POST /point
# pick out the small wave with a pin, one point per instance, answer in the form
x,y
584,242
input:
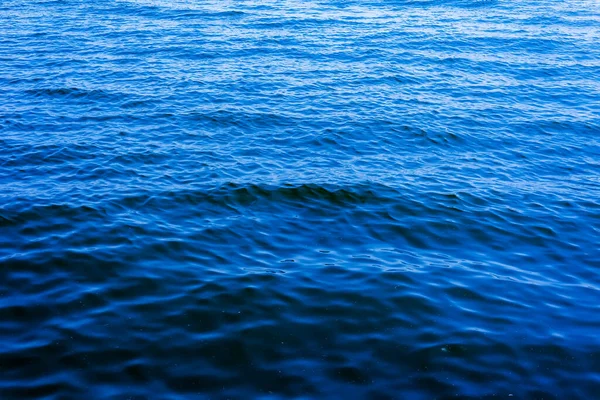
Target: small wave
x,y
447,3
72,93
238,195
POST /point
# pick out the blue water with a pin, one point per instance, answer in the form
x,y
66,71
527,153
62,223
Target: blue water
x,y
300,199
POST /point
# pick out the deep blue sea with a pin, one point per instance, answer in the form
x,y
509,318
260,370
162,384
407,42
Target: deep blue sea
x,y
361,199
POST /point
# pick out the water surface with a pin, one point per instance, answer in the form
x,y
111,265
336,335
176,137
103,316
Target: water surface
x,y
300,199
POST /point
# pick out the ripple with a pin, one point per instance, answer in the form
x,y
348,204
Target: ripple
x,y
299,199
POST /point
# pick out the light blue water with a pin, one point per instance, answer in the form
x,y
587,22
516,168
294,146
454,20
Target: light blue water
x,y
300,199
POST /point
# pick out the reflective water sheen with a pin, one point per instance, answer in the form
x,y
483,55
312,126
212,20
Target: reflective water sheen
x,y
300,199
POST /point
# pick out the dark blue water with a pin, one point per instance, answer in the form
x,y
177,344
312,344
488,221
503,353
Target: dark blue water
x,y
300,199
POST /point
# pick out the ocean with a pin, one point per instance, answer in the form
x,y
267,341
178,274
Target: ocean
x,y
299,199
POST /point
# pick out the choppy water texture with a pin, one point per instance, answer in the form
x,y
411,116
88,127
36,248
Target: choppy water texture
x,y
315,199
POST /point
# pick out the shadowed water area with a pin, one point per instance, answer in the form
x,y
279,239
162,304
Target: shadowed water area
x,y
300,199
